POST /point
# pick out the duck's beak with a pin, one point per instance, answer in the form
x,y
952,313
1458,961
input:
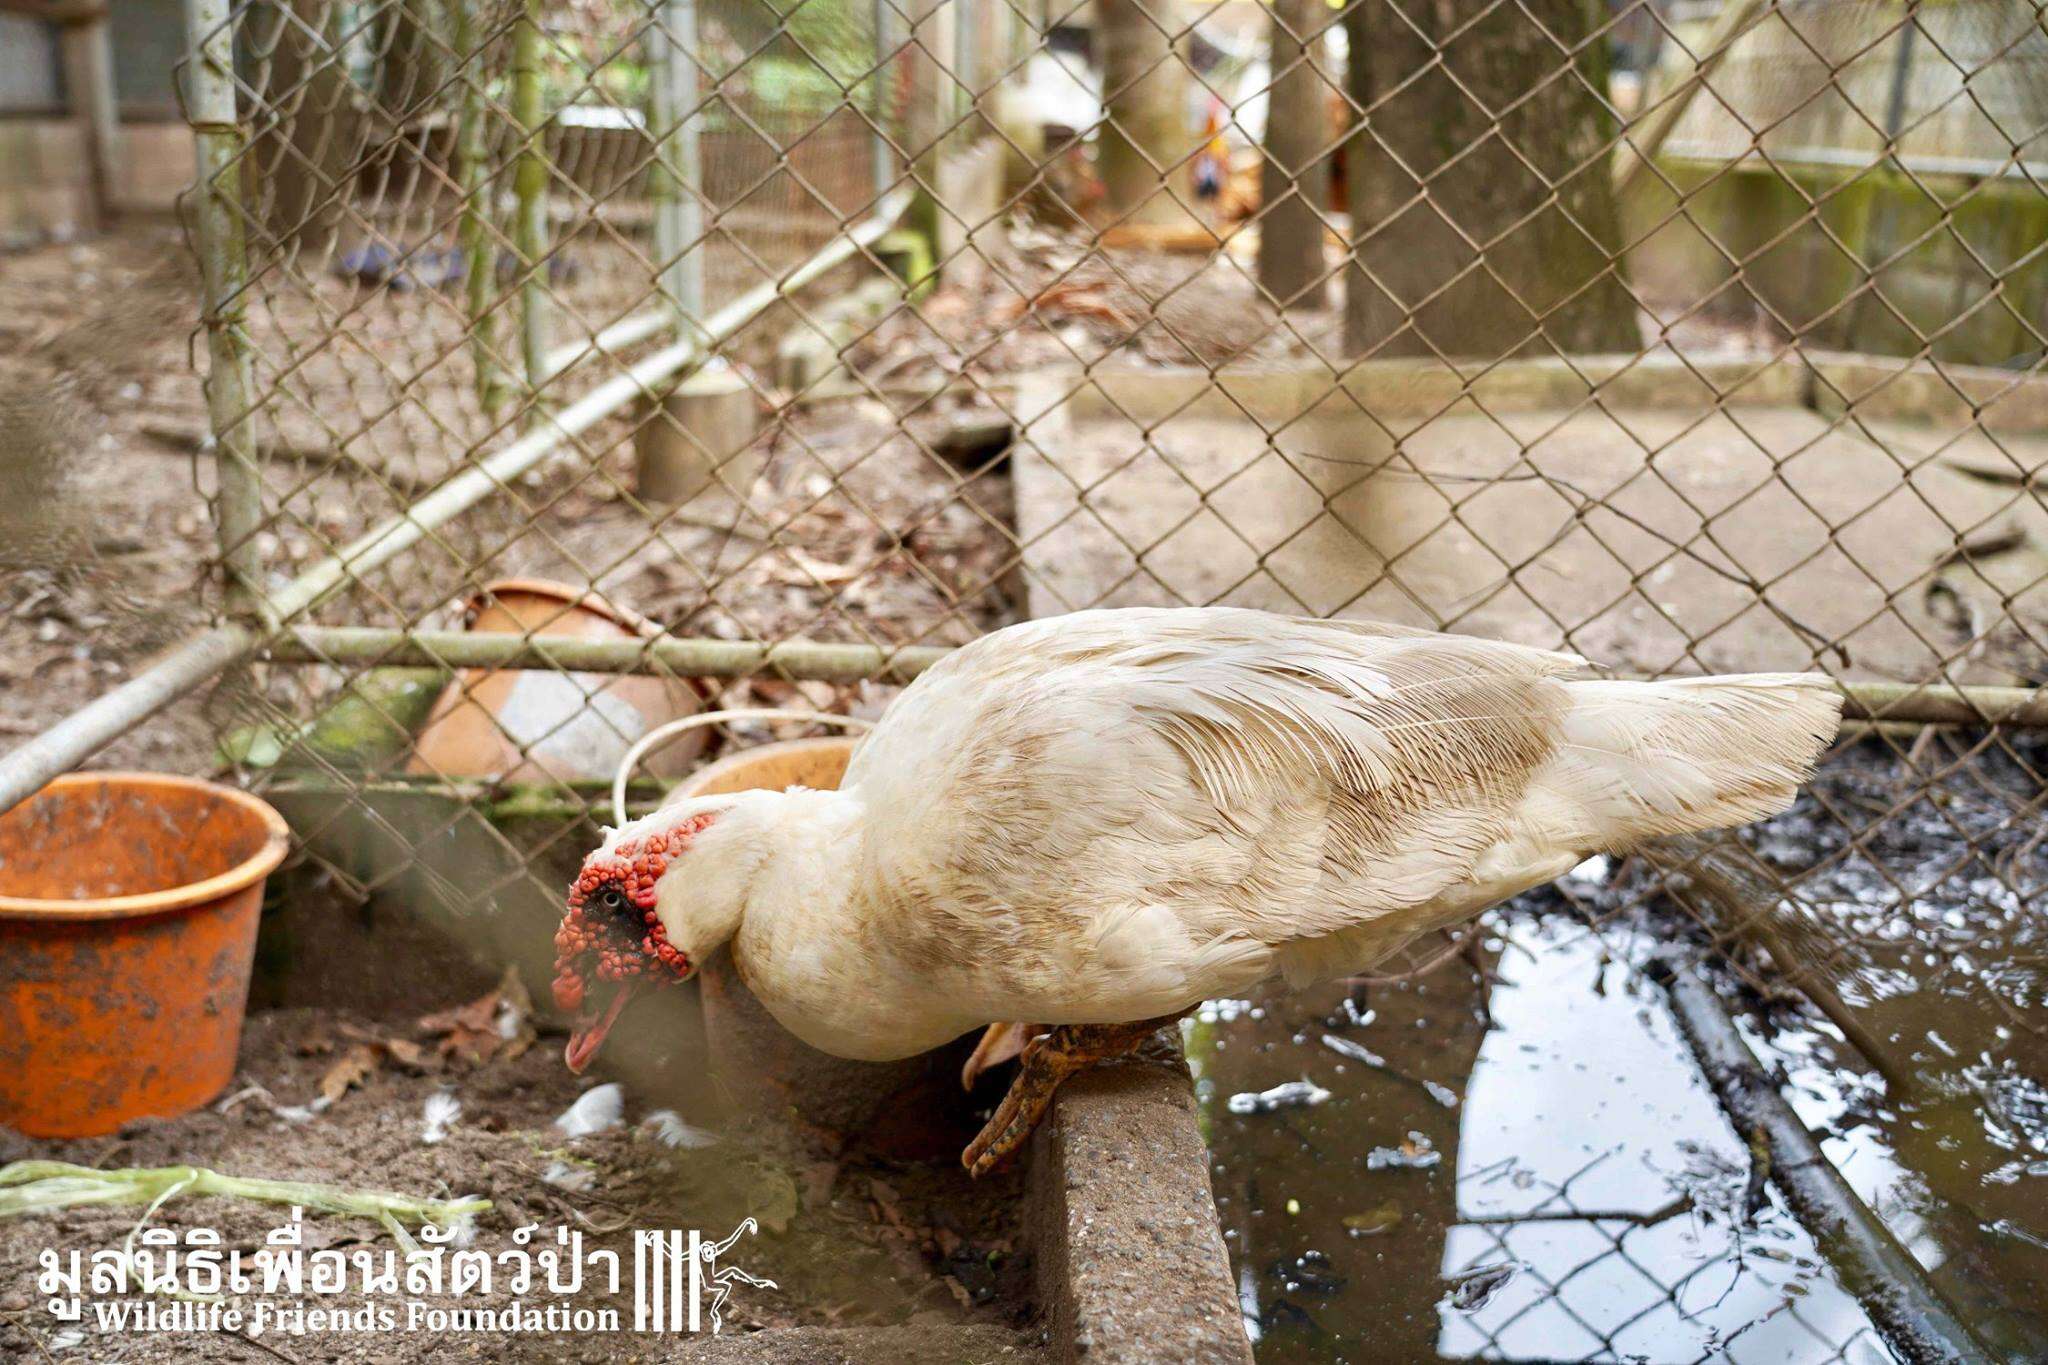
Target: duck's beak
x,y
594,1024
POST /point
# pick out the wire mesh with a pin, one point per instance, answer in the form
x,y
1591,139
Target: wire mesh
x,y
1341,311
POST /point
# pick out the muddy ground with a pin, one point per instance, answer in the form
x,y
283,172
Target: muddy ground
x,y
852,1240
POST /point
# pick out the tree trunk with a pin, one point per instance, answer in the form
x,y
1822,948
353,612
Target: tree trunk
x,y
307,153
1294,182
1145,136
1434,181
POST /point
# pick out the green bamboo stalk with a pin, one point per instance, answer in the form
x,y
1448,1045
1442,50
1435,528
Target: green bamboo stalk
x,y
222,243
530,187
474,234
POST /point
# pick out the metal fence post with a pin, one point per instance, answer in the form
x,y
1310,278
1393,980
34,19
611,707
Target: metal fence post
x,y
221,239
678,211
530,227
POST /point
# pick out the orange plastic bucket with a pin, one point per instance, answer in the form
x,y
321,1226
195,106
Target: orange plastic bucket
x,y
128,909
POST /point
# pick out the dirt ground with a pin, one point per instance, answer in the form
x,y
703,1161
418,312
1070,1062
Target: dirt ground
x,y
855,529
856,1240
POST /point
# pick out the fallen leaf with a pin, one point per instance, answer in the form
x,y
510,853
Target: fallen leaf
x,y
408,1054
357,1065
475,1016
498,1023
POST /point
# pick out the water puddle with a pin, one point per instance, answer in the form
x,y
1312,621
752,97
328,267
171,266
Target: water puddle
x,y
1535,1171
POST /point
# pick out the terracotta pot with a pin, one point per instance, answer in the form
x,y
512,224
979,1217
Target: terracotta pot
x,y
537,725
814,763
128,909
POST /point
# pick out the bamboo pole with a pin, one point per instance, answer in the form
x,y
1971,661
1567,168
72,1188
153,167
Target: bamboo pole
x,y
1638,148
1748,911
530,189
474,232
220,236
678,174
1895,702
694,658
1881,1273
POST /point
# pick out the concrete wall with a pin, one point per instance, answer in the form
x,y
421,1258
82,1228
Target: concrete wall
x,y
154,163
46,176
45,181
1802,243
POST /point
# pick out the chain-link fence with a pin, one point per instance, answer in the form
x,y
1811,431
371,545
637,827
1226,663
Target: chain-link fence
x,y
572,366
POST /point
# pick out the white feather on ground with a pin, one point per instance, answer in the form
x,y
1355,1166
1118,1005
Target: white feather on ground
x,y
597,1110
439,1115
672,1130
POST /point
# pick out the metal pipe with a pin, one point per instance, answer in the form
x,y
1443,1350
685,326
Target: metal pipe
x,y
71,741
1905,1307
219,234
1896,702
694,658
622,335
530,187
678,212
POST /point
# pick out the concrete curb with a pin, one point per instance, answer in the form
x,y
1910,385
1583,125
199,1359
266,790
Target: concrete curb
x,y
1130,1262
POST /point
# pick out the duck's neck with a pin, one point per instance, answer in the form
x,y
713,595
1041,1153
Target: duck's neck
x,y
807,844
804,945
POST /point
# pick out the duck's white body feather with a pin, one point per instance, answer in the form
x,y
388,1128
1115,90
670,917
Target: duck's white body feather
x,y
1112,815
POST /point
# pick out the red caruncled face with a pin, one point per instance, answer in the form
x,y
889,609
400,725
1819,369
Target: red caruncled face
x,y
611,935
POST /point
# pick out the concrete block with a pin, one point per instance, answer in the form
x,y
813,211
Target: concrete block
x,y
702,436
1130,1262
59,152
154,164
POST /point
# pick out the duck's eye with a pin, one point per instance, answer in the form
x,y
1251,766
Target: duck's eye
x,y
611,899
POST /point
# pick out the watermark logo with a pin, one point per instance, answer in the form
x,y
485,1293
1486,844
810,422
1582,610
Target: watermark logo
x,y
171,1280
674,1273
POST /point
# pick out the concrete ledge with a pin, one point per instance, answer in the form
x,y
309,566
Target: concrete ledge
x,y
940,1344
1406,394
1130,1263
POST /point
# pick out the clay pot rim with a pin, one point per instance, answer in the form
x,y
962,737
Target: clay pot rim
x,y
576,599
569,595
247,873
719,767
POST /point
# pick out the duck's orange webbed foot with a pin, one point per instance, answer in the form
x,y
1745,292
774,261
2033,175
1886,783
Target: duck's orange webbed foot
x,y
1046,1061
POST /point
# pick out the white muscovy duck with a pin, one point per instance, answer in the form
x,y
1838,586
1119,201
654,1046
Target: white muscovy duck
x,y
1096,821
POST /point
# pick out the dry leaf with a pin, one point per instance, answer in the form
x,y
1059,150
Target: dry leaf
x,y
357,1065
408,1054
499,1023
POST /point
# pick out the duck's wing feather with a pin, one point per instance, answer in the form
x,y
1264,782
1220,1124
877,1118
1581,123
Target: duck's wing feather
x,y
1261,776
